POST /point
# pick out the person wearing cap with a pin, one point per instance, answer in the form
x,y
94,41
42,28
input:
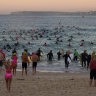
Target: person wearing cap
x,y
2,57
24,59
14,62
93,54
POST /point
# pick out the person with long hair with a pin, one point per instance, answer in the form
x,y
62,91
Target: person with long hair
x,y
8,74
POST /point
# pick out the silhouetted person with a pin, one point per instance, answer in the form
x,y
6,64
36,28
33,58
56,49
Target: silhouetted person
x,y
50,55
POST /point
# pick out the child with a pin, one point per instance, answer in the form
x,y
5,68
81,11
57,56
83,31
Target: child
x,y
8,74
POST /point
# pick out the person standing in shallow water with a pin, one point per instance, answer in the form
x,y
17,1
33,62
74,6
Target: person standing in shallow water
x,y
84,57
59,54
75,55
39,53
93,71
66,56
88,60
50,55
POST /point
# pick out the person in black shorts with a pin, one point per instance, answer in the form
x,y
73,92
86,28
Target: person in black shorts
x,y
34,64
24,62
34,59
24,65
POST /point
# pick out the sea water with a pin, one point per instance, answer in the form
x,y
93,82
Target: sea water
x,y
78,27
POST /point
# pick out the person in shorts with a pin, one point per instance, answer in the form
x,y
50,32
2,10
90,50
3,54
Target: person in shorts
x,y
93,71
34,59
24,62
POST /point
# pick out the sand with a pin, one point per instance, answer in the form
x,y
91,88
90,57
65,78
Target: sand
x,y
49,84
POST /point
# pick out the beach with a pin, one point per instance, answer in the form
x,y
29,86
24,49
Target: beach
x,y
49,84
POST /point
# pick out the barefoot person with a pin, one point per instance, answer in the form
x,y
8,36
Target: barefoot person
x,y
14,63
24,62
93,71
8,74
2,57
34,59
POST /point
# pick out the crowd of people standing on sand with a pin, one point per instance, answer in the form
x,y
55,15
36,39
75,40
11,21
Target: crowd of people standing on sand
x,y
85,59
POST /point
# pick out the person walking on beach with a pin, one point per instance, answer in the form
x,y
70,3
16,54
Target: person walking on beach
x,y
34,59
66,56
24,62
2,57
93,71
14,63
8,74
50,55
75,55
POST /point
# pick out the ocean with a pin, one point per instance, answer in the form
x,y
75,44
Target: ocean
x,y
31,32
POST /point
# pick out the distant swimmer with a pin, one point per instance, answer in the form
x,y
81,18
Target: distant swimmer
x,y
61,40
78,33
82,41
82,44
69,45
45,44
91,43
69,40
49,38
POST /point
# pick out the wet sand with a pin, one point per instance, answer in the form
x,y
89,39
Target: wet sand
x,y
49,84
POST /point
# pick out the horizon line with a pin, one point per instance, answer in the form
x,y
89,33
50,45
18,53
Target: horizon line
x,y
48,11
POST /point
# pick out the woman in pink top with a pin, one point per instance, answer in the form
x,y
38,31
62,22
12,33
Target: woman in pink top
x,y
14,63
8,74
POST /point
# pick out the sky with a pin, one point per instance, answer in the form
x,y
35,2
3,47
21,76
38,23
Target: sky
x,y
7,6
